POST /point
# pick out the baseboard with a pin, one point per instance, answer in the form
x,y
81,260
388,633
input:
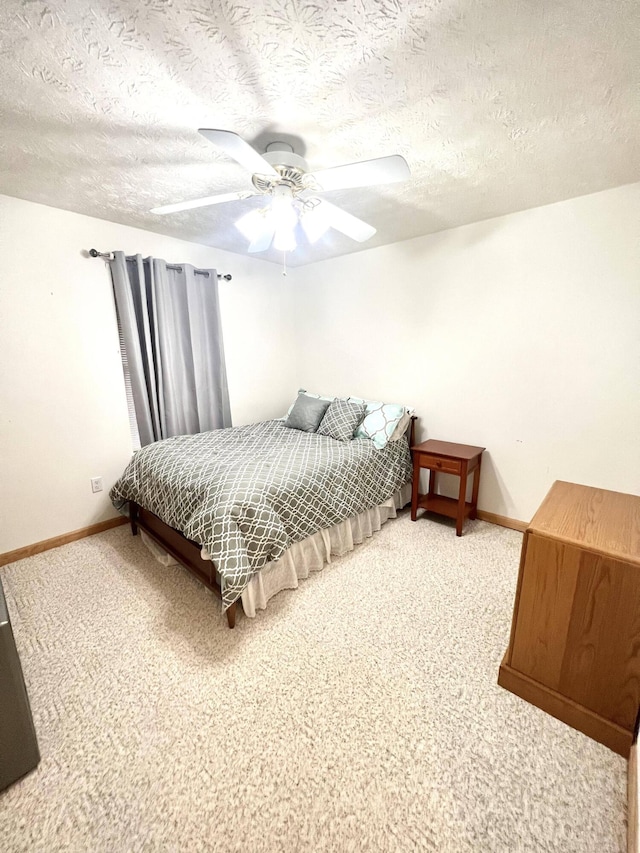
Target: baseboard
x,y
65,538
57,541
562,708
502,520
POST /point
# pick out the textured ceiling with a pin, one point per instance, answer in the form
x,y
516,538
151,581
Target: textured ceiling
x,y
497,106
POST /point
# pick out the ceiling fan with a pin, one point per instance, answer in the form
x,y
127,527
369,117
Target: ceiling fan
x,y
291,193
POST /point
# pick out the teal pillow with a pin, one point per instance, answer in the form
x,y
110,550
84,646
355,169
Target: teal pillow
x,y
380,422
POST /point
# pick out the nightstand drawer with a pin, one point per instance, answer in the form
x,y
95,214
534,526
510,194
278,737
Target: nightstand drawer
x,y
448,466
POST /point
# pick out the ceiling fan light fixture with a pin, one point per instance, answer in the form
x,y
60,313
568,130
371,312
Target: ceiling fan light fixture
x,y
314,224
283,179
283,210
251,224
285,217
284,239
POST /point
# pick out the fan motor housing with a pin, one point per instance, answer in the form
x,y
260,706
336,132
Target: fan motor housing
x,y
290,167
281,157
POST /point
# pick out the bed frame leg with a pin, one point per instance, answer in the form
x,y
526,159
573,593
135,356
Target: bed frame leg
x,y
133,518
231,615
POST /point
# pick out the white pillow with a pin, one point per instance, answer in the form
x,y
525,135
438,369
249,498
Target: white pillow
x,y
403,423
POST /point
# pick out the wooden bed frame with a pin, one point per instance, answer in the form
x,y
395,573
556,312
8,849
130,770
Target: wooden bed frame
x,y
187,552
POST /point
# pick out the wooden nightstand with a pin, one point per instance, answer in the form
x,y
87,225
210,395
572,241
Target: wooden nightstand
x,y
459,459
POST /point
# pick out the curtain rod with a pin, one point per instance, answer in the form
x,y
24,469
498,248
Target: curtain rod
x,y
107,255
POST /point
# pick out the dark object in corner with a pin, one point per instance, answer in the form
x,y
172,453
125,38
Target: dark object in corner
x,y
19,752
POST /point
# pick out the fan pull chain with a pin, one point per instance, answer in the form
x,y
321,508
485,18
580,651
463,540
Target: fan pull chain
x,y
284,263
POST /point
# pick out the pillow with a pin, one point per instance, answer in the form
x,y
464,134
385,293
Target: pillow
x,y
309,394
341,419
381,422
306,414
403,423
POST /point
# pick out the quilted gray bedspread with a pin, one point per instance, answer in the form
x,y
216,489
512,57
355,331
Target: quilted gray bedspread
x,y
247,493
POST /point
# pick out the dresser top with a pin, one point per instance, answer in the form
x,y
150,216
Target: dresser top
x,y
597,519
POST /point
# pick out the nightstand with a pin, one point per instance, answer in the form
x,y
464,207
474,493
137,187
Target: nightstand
x,y
458,459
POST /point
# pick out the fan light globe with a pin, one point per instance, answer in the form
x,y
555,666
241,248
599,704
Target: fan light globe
x,y
284,240
314,224
285,217
282,206
251,224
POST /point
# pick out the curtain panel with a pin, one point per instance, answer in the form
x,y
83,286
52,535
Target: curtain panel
x,y
170,322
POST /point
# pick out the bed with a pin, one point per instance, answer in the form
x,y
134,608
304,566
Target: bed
x,y
228,503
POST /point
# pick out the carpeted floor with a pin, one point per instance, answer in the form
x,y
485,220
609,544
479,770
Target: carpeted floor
x,y
358,713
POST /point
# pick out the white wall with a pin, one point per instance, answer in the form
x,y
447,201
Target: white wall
x,y
520,334
63,415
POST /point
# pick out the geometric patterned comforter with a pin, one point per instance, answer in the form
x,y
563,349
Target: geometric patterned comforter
x,y
247,493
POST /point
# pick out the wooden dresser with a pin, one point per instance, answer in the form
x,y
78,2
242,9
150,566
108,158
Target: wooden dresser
x,y
575,638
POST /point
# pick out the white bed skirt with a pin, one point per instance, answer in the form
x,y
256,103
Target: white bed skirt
x,y
307,556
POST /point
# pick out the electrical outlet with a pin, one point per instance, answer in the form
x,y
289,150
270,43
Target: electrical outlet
x,y
96,484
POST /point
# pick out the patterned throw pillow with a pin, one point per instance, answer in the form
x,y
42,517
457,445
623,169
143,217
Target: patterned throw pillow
x,y
341,419
381,421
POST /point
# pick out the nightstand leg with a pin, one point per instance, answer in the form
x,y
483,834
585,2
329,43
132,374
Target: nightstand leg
x,y
432,483
414,490
476,486
461,499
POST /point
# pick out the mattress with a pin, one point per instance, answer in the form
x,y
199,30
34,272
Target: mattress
x,y
246,494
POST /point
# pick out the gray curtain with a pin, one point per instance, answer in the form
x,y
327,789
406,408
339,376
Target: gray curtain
x,y
170,321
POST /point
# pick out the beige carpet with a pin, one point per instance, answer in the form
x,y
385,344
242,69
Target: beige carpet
x,y
358,713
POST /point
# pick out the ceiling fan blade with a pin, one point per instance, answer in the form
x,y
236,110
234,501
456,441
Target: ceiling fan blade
x,y
345,222
200,202
383,170
239,150
262,242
